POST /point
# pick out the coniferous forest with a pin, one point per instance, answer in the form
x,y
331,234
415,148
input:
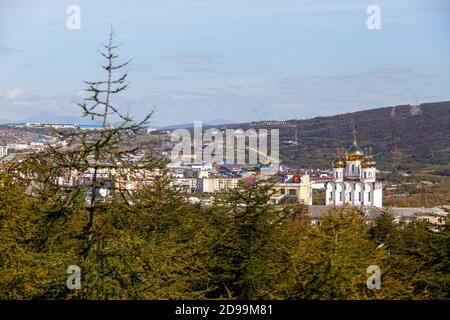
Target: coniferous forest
x,y
240,248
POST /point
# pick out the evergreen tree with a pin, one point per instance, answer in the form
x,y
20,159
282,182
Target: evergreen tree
x,y
385,230
330,261
89,225
243,242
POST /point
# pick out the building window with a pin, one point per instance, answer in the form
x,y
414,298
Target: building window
x,y
368,196
365,175
350,196
282,191
359,196
340,196
292,192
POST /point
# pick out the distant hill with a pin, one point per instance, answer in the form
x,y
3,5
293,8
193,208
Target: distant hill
x,y
204,124
403,137
48,117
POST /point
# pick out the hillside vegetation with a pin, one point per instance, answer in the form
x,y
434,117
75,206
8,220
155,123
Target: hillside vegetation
x,y
402,137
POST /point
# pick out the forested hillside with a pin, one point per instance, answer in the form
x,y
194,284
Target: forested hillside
x,y
402,137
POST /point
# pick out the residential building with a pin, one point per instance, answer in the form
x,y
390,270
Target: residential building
x,y
218,184
3,151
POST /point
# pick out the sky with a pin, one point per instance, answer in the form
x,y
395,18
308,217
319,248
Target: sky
x,y
239,60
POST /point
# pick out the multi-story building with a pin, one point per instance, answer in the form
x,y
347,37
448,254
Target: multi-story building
x,y
189,185
18,146
3,151
217,184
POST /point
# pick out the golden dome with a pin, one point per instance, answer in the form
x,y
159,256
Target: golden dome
x,y
368,162
338,163
355,152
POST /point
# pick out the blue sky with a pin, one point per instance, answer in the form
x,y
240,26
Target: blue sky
x,y
227,59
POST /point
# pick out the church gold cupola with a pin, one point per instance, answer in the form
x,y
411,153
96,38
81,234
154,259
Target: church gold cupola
x,y
354,153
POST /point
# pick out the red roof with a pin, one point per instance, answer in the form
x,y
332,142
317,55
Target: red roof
x,y
321,178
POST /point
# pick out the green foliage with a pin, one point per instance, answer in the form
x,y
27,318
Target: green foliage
x,y
330,261
419,258
384,229
162,247
242,241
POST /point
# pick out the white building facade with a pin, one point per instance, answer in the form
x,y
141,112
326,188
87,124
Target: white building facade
x,y
354,180
3,151
218,184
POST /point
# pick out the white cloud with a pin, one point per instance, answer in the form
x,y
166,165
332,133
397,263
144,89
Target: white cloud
x,y
192,59
14,93
244,99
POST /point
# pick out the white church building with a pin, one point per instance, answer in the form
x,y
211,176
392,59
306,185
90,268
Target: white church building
x,y
354,180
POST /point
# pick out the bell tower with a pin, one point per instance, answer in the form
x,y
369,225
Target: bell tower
x,y
353,157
